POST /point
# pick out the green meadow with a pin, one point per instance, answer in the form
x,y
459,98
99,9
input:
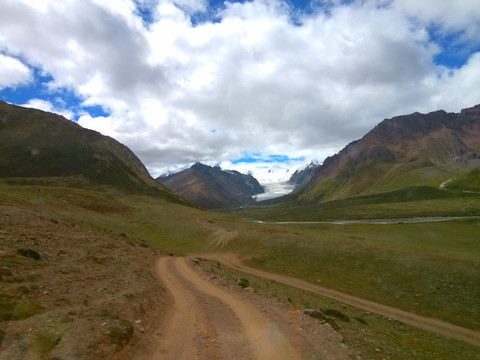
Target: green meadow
x,y
430,268
417,201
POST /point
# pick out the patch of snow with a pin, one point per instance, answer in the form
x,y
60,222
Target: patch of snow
x,y
274,189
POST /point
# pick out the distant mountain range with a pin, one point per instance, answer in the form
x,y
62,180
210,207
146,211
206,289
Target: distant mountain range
x,y
432,149
38,144
211,187
438,149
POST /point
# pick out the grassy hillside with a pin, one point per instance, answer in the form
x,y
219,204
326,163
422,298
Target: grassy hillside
x,y
469,182
38,144
68,289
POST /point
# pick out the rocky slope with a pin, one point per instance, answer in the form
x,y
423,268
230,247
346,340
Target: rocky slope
x,y
68,290
410,150
300,178
38,144
212,188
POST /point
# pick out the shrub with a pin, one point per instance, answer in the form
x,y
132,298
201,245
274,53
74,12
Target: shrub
x,y
244,283
121,335
336,314
48,341
6,307
25,309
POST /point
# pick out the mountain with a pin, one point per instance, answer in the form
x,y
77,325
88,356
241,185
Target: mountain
x,y
212,188
38,144
300,178
410,150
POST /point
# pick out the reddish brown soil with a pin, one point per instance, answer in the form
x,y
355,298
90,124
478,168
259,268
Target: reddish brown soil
x,y
89,295
210,321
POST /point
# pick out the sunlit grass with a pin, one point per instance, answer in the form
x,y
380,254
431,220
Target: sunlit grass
x,y
432,269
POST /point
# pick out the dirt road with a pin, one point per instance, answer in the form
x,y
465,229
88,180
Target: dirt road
x,y
208,321
430,324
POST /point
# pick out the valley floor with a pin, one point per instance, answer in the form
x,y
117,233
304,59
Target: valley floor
x,y
80,278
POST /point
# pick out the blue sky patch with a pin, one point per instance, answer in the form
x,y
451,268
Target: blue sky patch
x,y
214,6
257,158
455,51
61,98
145,12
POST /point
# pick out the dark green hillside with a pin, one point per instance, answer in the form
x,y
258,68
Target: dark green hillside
x,y
38,144
467,182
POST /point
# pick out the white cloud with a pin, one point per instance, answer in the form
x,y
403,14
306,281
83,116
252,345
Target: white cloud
x,y
253,81
192,6
105,125
13,72
449,96
48,106
452,15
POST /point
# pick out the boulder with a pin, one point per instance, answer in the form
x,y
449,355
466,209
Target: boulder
x,y
316,314
322,317
29,253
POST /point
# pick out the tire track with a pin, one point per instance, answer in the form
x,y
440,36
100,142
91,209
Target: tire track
x,y
204,313
179,341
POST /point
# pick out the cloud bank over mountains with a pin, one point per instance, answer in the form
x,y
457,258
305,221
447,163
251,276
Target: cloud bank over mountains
x,y
186,80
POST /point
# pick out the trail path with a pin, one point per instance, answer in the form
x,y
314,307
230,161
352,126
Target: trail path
x,y
430,324
208,321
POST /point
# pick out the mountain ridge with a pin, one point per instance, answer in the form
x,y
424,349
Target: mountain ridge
x,y
427,147
301,177
39,144
211,187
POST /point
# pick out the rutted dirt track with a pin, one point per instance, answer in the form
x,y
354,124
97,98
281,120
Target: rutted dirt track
x,y
430,324
208,321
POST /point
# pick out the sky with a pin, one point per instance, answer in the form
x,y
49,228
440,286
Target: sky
x,y
262,86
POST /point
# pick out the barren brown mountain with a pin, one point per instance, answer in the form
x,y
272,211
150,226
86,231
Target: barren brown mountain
x,y
411,150
211,187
